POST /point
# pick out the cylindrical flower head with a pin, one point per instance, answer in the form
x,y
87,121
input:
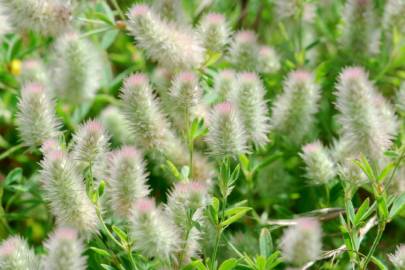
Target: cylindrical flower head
x,y
225,84
90,144
36,119
50,146
214,32
286,8
76,72
293,113
269,61
128,179
153,233
359,32
116,125
5,26
398,258
319,165
65,251
186,91
33,70
15,254
394,15
165,43
185,197
302,242
49,17
252,108
142,110
65,192
226,136
244,51
362,124
386,113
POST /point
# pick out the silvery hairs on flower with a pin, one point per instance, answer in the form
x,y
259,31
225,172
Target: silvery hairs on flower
x,y
293,113
171,45
214,32
244,51
64,251
127,180
65,192
302,242
153,232
36,118
225,84
15,254
75,69
48,17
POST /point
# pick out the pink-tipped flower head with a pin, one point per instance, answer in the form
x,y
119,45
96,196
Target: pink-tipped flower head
x,y
244,51
65,192
152,231
226,136
116,125
90,144
269,61
128,179
186,92
33,70
214,31
16,254
65,250
363,124
36,119
319,166
302,242
171,45
252,108
294,110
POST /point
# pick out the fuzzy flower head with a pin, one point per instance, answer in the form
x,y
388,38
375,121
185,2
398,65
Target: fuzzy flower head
x,y
394,15
117,125
5,26
15,254
36,119
48,17
398,258
142,111
65,192
50,146
33,70
127,180
362,123
65,251
170,45
187,201
75,76
244,50
319,165
170,10
90,143
225,84
302,242
226,136
214,32
152,231
186,91
294,110
359,32
269,61
252,108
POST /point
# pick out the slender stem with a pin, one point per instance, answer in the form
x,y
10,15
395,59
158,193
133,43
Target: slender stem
x,y
377,239
11,151
117,7
214,253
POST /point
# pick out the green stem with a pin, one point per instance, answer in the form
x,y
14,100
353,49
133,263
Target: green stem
x,y
380,230
11,151
214,253
117,7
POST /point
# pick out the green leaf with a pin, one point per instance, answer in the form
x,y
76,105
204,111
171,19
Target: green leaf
x,y
397,205
378,263
185,173
121,234
213,58
101,188
14,176
170,166
107,267
350,212
361,211
386,171
265,243
234,215
100,251
366,168
229,264
195,265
